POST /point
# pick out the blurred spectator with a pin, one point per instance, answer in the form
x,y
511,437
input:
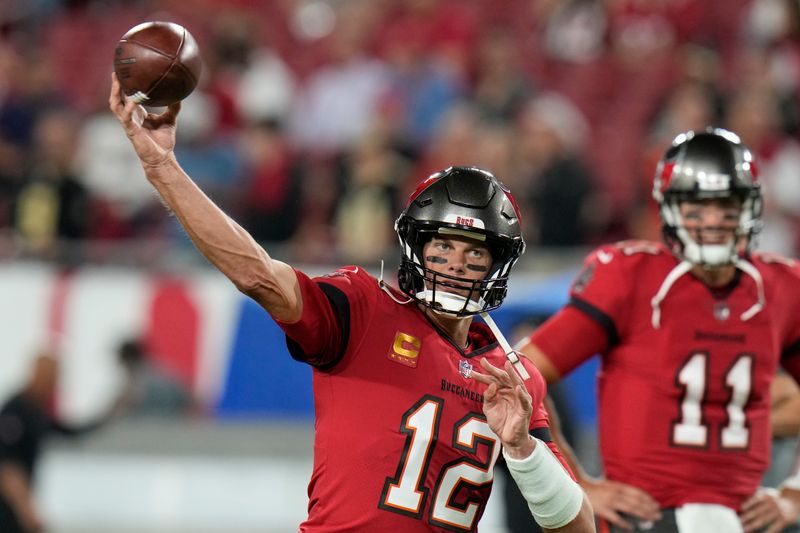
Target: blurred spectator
x,y
453,143
125,207
422,88
772,27
151,391
246,76
26,422
226,57
271,197
564,207
27,12
266,88
690,106
216,161
494,151
31,90
443,29
52,204
372,176
339,101
11,180
635,69
569,48
754,113
500,87
9,70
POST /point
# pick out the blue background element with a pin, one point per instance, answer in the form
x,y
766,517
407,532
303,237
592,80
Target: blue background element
x,y
263,379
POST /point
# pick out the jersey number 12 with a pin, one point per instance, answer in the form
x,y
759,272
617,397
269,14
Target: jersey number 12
x,y
406,492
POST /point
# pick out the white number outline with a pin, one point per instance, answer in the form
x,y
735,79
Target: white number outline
x,y
690,428
422,435
405,493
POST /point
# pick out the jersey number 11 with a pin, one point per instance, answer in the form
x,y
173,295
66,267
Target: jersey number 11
x,y
690,429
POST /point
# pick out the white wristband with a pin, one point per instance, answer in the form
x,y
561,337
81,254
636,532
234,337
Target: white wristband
x,y
553,497
792,482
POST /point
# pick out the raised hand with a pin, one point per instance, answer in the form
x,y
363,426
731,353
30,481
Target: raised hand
x,y
508,407
152,136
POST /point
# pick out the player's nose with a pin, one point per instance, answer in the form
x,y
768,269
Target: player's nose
x,y
458,261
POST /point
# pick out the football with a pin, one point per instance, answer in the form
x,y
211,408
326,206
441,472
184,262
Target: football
x,y
157,63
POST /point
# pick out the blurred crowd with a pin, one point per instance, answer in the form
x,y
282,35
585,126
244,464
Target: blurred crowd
x,y
314,119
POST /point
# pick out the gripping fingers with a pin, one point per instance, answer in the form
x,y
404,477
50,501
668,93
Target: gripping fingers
x,y
167,118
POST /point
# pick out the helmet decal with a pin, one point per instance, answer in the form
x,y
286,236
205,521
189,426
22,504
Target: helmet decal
x,y
460,220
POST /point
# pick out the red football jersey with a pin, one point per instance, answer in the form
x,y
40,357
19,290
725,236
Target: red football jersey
x,y
683,407
401,441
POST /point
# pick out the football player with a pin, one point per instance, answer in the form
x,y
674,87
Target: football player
x,y
691,332
407,429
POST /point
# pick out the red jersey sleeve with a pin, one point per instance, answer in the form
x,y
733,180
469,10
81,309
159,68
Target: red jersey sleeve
x,y
588,324
569,338
601,290
537,388
331,304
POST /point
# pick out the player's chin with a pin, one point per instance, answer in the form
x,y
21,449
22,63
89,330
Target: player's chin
x,y
466,292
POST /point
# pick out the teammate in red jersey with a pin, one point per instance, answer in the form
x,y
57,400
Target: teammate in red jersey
x,y
407,430
691,333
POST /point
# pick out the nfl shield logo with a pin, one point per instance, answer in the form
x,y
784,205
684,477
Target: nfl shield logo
x,y
464,368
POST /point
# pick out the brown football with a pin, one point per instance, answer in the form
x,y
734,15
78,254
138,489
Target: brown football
x,y
157,63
